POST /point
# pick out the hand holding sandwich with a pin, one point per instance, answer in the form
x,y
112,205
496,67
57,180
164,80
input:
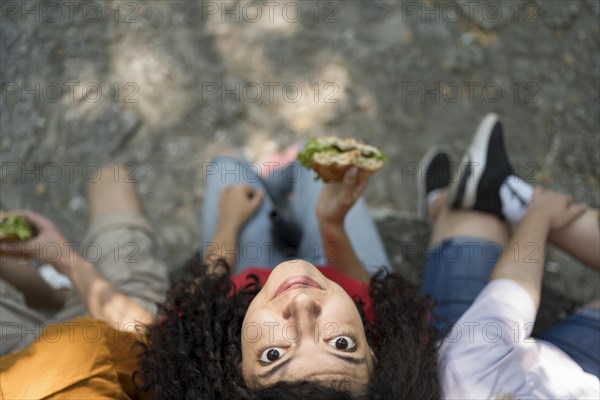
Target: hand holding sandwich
x,y
102,299
48,245
18,235
334,203
337,198
345,164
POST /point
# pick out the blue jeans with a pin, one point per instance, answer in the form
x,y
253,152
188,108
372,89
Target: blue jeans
x,y
457,270
255,244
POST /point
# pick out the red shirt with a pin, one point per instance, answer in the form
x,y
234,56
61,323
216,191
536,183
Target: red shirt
x,y
354,288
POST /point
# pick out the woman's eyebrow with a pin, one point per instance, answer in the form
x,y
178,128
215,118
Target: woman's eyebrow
x,y
272,371
348,359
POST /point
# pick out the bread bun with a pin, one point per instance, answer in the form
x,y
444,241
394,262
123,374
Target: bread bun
x,y
332,166
331,157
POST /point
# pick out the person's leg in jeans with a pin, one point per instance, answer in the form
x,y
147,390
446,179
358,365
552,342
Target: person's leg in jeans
x,y
463,249
255,246
467,239
578,335
359,224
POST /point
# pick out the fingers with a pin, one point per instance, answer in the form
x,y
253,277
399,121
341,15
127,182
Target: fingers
x,y
362,184
565,210
17,249
350,177
568,200
255,198
37,220
242,190
245,194
537,191
11,261
23,248
250,193
573,212
350,184
346,187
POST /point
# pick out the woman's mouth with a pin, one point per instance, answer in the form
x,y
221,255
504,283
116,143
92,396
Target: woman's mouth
x,y
296,282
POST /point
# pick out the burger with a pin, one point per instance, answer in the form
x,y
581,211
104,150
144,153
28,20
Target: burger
x,y
332,156
14,227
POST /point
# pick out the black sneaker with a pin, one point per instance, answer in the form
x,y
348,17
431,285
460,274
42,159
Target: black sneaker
x,y
434,174
484,168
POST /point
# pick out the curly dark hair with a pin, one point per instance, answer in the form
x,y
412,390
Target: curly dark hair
x,y
193,349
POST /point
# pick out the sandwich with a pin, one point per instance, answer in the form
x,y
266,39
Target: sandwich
x,y
14,227
331,157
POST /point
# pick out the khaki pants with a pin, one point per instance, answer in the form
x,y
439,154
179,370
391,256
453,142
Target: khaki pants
x,y
122,246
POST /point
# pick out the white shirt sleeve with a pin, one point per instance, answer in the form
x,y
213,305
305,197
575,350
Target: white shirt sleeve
x,y
489,353
477,356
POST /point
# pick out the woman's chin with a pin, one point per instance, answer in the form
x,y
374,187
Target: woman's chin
x,y
291,268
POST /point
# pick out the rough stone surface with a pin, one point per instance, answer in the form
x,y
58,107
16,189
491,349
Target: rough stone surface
x,y
400,75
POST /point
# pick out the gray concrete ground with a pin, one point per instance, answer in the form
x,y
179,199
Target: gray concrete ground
x,y
160,84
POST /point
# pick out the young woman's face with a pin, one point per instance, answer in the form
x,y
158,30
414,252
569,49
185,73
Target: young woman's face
x,y
303,326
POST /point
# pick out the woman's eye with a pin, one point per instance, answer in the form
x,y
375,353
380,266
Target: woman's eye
x,y
271,355
344,343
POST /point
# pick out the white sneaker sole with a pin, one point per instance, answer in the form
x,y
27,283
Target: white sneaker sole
x,y
476,155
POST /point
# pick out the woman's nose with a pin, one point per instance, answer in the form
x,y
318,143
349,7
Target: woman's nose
x,y
302,305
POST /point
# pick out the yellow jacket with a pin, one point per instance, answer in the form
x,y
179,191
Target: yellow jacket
x,y
79,359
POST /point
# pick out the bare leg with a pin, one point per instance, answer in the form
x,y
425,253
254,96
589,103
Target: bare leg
x,y
114,191
118,227
455,223
581,239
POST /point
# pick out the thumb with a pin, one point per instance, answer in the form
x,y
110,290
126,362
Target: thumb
x,y
576,211
349,182
351,175
256,199
349,185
